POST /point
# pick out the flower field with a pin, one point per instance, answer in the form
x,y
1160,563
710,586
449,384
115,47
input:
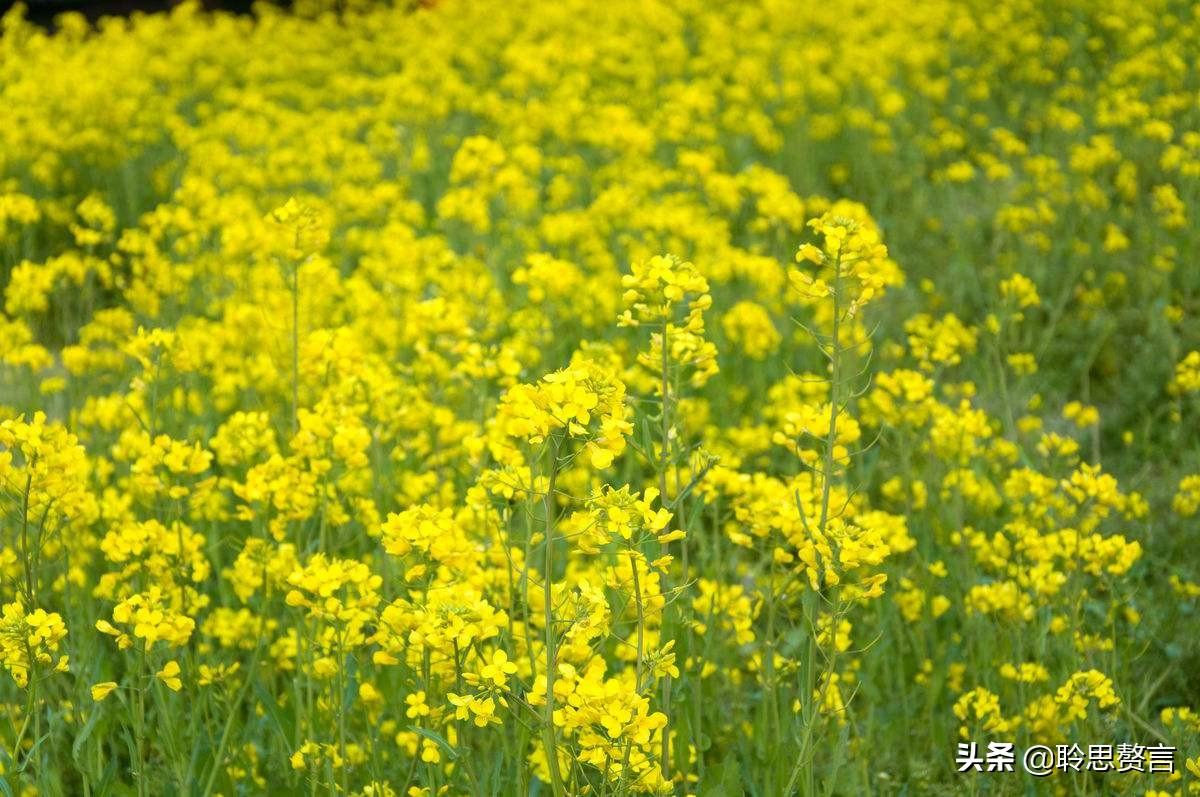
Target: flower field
x,y
640,397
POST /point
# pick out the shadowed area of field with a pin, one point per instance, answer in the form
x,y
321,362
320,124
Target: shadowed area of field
x,y
43,12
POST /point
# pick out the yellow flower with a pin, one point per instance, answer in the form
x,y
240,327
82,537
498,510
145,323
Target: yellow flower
x,y
461,703
369,695
498,670
103,690
211,674
416,705
169,675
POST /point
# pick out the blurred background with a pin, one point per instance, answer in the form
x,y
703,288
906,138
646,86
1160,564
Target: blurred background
x,y
44,11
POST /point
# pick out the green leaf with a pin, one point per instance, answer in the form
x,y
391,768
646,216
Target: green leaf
x,y
33,748
723,779
84,733
268,702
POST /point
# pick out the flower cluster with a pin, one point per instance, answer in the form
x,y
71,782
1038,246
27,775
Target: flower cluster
x,y
30,640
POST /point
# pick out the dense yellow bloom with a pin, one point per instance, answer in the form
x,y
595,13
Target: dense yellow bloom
x,y
1020,290
670,296
1187,375
851,262
1187,499
30,640
980,709
584,403
939,342
151,617
749,327
497,398
43,463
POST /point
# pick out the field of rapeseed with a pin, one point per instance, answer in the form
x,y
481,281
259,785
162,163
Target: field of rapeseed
x,y
638,397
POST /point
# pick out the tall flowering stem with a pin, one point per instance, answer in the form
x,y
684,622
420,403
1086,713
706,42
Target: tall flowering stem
x,y
582,405
848,269
669,296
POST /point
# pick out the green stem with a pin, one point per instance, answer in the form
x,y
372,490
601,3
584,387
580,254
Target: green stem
x,y
233,710
139,724
549,735
665,460
802,771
